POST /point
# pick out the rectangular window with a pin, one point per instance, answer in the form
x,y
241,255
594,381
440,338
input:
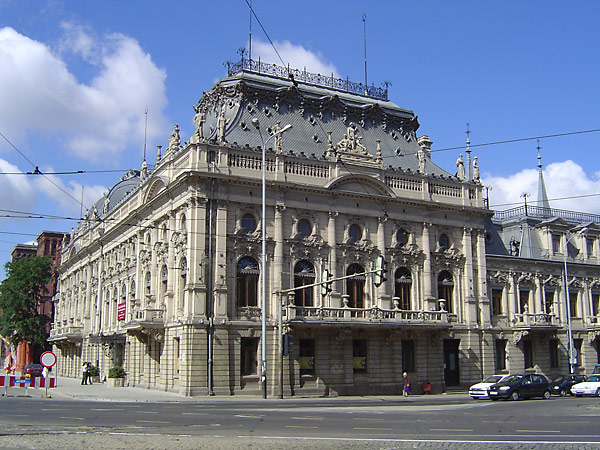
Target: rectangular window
x,y
359,355
556,244
595,304
548,302
497,301
589,244
307,356
577,345
249,357
408,356
524,301
528,354
573,304
500,354
177,356
553,351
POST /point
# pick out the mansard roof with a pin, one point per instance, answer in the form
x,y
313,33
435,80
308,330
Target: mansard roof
x,y
321,118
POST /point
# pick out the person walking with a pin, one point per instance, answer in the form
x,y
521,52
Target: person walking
x,y
84,373
406,391
89,372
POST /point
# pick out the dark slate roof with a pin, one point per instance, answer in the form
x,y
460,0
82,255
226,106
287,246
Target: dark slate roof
x,y
312,111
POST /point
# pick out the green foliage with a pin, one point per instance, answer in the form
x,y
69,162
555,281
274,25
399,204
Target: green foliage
x,y
116,372
93,371
21,295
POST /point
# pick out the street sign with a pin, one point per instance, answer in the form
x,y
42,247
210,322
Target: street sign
x,y
48,359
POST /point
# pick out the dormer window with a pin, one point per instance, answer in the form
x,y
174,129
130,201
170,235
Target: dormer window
x,y
556,244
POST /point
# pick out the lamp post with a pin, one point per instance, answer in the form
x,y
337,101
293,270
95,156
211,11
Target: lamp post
x,y
263,357
568,304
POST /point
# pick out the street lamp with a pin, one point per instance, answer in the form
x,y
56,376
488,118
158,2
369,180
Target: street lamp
x,y
568,303
263,357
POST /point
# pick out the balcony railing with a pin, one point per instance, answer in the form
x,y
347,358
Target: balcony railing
x,y
539,212
146,318
68,332
536,320
375,314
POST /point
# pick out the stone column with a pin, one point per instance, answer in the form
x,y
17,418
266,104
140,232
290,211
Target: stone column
x,y
382,292
172,273
335,295
278,271
482,290
513,298
220,263
196,259
468,282
429,302
538,298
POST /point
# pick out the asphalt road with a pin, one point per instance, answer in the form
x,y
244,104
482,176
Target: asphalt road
x,y
362,423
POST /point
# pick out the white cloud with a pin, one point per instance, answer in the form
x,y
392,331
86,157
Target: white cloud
x,y
295,55
562,179
97,120
16,189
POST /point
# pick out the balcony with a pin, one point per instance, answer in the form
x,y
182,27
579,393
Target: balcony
x,y
366,316
538,321
68,333
145,318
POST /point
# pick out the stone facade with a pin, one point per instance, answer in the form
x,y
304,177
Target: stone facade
x,y
164,277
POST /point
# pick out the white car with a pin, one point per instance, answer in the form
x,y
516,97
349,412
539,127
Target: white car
x,y
589,387
481,390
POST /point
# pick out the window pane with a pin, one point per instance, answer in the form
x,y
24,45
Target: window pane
x,y
304,228
249,223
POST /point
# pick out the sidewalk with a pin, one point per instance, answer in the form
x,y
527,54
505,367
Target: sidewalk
x,y
71,388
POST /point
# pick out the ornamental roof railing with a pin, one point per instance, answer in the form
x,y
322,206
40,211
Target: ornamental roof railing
x,y
540,212
250,65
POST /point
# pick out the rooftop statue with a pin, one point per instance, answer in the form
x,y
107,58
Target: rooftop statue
x,y
475,169
174,141
278,144
351,142
461,167
199,120
422,160
221,125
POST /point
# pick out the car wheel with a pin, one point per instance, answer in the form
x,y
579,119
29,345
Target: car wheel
x,y
598,393
563,393
546,395
494,399
514,395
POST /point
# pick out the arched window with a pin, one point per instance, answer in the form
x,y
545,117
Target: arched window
x,y
304,273
182,223
182,281
355,287
402,237
247,282
304,228
248,223
148,283
446,289
354,233
164,278
443,242
123,292
402,287
132,291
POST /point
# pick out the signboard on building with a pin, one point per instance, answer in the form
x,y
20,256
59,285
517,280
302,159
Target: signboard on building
x,y
121,309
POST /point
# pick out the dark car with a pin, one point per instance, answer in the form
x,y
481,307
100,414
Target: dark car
x,y
561,385
521,386
35,370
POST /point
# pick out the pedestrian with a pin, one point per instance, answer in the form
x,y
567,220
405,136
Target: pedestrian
x,y
89,372
84,373
406,391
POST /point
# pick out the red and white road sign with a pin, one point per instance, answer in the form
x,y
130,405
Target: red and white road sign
x,y
48,359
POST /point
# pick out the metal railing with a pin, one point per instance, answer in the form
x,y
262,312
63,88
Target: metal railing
x,y
317,79
539,212
371,314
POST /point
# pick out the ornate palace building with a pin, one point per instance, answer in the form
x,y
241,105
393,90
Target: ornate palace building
x,y
165,274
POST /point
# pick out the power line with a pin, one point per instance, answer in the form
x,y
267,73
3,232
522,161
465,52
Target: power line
x,y
265,31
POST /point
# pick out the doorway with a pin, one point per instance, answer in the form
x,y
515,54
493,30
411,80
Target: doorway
x,y
451,370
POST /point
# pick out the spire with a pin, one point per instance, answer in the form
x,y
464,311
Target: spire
x,y
469,173
542,196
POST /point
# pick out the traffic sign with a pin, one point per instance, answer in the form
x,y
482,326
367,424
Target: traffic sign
x,y
48,359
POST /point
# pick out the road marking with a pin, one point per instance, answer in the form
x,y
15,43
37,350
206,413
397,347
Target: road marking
x,y
148,412
366,418
499,421
368,428
298,426
449,429
260,416
150,421
106,409
195,414
574,422
19,415
537,431
72,418
306,418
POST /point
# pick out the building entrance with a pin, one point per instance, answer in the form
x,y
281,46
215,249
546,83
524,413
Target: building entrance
x,y
451,373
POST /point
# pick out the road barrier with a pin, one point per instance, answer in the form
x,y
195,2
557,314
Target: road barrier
x,y
13,380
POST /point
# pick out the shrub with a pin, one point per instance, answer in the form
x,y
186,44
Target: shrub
x,y
93,371
116,372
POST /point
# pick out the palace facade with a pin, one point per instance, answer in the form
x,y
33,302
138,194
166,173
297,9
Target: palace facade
x,y
164,276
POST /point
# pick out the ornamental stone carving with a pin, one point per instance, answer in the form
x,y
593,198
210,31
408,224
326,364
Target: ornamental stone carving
x,y
351,145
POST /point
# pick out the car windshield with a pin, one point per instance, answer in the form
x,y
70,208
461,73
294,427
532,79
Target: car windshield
x,y
594,378
512,378
560,378
493,379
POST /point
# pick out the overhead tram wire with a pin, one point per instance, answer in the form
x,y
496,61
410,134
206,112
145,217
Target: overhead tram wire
x,y
266,34
37,170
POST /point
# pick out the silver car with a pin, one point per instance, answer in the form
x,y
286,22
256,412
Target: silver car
x,y
481,390
589,387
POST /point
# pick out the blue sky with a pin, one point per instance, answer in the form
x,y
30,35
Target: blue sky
x,y
76,77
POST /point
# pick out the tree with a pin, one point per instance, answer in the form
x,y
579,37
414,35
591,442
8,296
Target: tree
x,y
21,297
